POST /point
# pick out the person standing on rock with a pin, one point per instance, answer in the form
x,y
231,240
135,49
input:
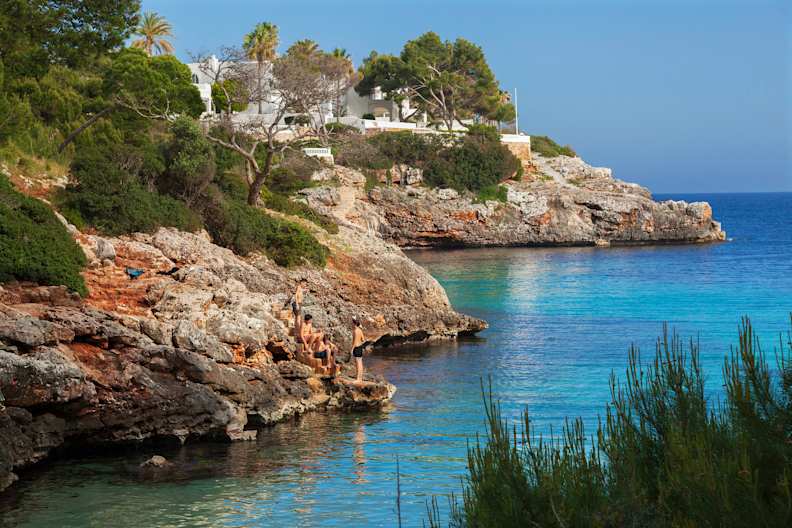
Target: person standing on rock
x,y
358,339
296,303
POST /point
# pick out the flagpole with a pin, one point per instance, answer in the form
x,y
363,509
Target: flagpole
x,y
516,115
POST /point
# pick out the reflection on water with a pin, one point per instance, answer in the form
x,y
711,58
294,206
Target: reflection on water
x,y
561,322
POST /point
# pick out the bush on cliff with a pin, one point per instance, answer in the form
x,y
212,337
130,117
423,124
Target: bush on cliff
x,y
112,200
474,163
243,229
662,457
34,244
550,149
284,204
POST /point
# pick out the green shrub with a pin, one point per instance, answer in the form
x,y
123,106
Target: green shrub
x,y
114,202
293,173
34,244
372,180
661,457
498,193
356,152
405,147
340,129
368,115
243,229
284,204
473,164
550,149
190,162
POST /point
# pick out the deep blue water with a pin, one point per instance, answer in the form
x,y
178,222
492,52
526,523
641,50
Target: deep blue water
x,y
561,321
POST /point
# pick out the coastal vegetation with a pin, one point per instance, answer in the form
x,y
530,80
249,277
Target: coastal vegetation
x,y
473,162
449,81
550,149
121,124
34,245
665,453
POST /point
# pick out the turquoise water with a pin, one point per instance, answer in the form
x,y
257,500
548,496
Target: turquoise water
x,y
561,322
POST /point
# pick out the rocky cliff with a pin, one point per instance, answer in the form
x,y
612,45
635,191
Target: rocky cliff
x,y
193,346
564,201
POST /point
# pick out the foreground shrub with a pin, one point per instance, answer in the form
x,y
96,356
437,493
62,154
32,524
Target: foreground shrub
x,y
550,149
109,199
663,456
244,229
34,244
405,147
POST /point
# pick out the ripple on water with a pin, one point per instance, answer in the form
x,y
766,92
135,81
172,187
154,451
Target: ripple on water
x,y
561,321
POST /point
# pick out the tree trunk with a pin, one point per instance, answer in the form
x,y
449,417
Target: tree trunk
x,y
261,178
82,127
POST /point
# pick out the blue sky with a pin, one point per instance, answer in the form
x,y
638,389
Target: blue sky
x,y
680,96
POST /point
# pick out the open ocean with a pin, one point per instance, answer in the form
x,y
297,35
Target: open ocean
x,y
561,320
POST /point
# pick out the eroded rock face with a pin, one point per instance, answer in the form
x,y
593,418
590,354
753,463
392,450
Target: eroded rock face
x,y
194,346
564,202
104,380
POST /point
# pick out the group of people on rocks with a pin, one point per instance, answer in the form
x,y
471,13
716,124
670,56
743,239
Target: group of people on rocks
x,y
316,344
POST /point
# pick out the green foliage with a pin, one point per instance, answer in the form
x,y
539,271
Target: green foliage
x,y
662,457
358,153
153,86
229,89
190,162
244,229
293,173
113,201
405,147
369,115
452,80
550,149
34,244
473,164
284,204
37,33
483,132
372,180
497,193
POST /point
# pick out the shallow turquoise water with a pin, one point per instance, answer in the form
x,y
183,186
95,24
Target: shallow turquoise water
x,y
561,322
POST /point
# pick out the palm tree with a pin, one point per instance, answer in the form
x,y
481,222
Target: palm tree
x,y
260,46
341,54
153,30
304,48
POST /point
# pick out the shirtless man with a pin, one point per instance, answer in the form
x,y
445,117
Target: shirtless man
x,y
308,336
326,351
358,339
296,303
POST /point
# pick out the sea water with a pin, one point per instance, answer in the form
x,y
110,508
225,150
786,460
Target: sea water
x,y
561,321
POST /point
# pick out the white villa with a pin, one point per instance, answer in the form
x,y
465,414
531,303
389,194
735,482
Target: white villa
x,y
369,114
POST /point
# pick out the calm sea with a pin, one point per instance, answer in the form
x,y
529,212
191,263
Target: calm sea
x,y
561,321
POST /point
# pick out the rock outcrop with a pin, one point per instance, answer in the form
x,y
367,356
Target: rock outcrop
x,y
195,346
564,202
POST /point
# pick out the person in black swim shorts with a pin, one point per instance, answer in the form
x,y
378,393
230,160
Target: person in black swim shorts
x,y
358,340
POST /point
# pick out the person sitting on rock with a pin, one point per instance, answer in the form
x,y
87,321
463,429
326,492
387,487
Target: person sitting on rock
x,y
309,336
358,340
326,351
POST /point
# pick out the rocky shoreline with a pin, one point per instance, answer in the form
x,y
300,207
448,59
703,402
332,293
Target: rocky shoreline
x,y
192,348
562,202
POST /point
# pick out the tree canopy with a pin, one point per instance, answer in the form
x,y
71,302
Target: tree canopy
x,y
37,33
450,81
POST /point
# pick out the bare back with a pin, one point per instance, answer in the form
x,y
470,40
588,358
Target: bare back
x,y
357,337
